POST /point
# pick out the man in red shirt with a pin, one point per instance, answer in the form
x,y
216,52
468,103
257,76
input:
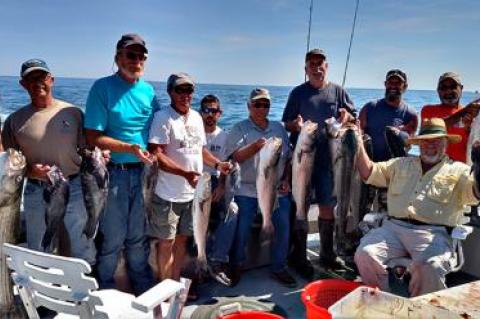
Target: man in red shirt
x,y
457,118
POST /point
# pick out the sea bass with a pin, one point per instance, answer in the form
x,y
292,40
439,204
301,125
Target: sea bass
x,y
303,160
150,177
232,184
202,203
267,180
94,177
474,134
12,171
396,141
343,148
55,194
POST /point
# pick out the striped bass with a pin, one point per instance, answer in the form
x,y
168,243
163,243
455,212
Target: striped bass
x,y
202,203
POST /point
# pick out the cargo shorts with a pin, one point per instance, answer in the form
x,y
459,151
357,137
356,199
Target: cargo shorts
x,y
170,219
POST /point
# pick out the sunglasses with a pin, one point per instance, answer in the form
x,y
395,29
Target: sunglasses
x,y
261,105
135,56
210,110
447,87
36,79
184,90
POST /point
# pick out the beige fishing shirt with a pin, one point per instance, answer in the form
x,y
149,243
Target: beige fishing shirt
x,y
440,196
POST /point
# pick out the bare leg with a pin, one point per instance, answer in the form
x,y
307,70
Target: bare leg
x,y
165,259
179,252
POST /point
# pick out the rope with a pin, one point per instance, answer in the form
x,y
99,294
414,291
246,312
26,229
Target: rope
x,y
350,45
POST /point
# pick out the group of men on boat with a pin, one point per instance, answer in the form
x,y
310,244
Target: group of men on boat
x,y
424,196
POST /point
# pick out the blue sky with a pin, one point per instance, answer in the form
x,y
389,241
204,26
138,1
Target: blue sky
x,y
248,41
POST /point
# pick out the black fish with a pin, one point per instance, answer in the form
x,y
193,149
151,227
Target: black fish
x,y
94,177
55,194
396,141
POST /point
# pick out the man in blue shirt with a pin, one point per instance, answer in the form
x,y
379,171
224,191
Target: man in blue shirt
x,y
389,111
119,111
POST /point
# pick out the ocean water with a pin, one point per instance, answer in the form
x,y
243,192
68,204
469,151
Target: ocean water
x,y
233,97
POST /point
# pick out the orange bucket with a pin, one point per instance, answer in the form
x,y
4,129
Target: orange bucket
x,y
321,294
251,315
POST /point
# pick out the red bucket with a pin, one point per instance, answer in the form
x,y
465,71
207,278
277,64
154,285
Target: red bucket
x,y
321,294
251,315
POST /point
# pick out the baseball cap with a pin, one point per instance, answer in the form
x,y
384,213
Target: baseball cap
x,y
33,65
177,79
398,73
315,52
259,93
450,75
131,39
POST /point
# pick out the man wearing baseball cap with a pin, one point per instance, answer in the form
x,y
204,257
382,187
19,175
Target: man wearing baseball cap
x,y
177,139
390,111
316,100
119,111
427,195
457,118
49,133
244,142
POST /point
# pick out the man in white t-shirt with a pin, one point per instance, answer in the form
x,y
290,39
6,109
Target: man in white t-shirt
x,y
222,228
177,139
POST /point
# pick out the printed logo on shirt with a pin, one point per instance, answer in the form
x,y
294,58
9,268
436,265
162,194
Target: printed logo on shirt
x,y
192,143
215,148
397,122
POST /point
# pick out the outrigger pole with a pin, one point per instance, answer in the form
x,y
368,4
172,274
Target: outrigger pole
x,y
309,29
350,45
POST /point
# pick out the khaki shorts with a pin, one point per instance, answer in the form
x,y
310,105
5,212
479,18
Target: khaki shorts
x,y
170,219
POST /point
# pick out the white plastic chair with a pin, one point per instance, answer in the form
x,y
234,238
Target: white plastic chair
x,y
61,284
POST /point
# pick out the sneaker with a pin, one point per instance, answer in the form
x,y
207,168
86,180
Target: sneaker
x,y
219,273
284,278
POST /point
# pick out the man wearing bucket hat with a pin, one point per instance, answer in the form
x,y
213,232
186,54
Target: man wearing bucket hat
x,y
427,197
457,118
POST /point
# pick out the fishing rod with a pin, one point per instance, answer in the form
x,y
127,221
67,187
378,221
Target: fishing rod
x,y
308,34
350,44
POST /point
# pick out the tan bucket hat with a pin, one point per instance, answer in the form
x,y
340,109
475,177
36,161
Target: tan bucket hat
x,y
433,128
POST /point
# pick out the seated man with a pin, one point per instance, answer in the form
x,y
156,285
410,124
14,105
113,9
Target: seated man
x,y
427,196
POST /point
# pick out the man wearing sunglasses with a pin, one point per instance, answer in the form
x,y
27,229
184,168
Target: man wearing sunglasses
x,y
317,100
244,141
457,118
119,111
177,139
49,132
222,228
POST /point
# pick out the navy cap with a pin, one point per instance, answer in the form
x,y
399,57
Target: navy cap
x,y
131,39
33,65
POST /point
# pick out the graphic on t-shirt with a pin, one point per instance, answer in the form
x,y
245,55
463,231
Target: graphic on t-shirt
x,y
397,122
192,142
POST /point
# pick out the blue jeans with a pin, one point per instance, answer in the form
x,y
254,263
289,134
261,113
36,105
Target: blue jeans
x,y
221,240
122,226
248,207
74,220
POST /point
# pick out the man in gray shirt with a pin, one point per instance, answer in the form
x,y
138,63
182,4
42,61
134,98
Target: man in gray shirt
x,y
317,100
244,142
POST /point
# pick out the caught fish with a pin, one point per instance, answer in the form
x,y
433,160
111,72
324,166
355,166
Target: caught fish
x,y
202,203
267,180
94,177
343,147
396,141
55,194
302,167
232,184
474,134
475,157
150,177
13,166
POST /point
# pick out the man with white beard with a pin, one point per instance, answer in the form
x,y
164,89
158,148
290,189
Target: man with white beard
x,y
427,196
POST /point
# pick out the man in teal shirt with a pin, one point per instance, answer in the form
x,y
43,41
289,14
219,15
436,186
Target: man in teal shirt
x,y
119,111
